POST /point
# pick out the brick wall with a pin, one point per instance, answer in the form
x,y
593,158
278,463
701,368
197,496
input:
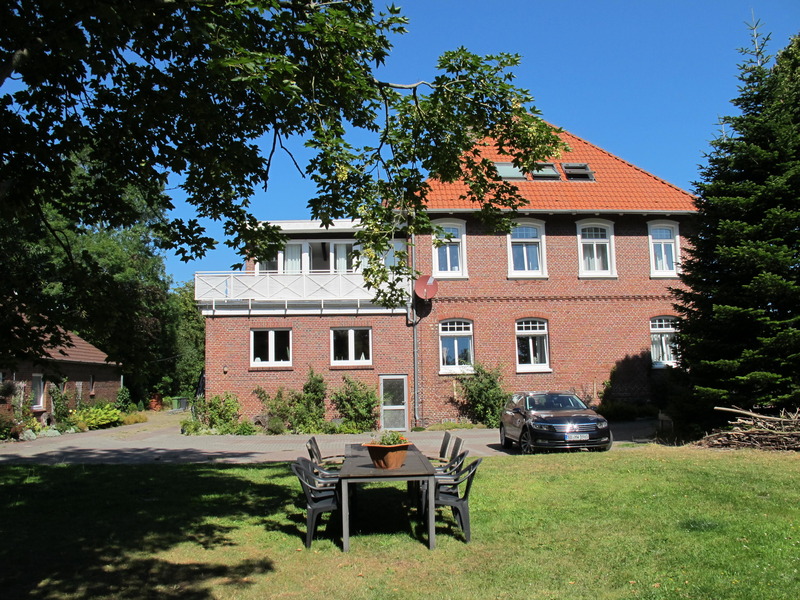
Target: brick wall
x,y
594,325
228,345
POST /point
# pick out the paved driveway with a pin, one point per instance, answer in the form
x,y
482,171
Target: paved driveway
x,y
160,440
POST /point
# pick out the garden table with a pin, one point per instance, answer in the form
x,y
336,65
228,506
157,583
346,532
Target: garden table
x,y
358,468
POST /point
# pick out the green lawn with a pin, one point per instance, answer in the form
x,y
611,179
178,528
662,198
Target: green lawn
x,y
650,522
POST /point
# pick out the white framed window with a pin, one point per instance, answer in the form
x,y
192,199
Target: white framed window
x,y
351,346
596,248
663,242
526,249
270,347
662,342
37,391
450,254
455,346
532,345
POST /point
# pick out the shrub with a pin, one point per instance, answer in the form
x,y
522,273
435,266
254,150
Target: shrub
x,y
276,426
357,404
217,412
483,395
245,427
97,416
124,401
6,427
61,402
308,406
278,408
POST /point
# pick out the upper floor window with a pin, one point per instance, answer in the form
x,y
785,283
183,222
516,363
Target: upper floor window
x,y
270,347
662,341
663,236
596,247
526,250
455,346
351,346
532,345
288,260
449,254
397,252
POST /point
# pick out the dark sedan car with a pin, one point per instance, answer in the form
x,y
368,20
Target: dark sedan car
x,y
552,420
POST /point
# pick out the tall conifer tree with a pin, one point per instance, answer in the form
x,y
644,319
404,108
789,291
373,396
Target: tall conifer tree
x,y
740,333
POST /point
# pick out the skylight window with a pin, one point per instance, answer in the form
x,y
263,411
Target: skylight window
x,y
509,172
545,171
578,171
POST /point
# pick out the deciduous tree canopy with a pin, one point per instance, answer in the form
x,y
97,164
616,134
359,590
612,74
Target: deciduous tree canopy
x,y
103,97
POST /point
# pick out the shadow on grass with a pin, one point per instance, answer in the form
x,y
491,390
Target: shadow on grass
x,y
88,531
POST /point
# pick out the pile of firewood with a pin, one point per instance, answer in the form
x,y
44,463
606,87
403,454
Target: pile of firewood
x,y
751,430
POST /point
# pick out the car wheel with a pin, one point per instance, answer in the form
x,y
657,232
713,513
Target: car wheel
x,y
610,443
525,443
504,441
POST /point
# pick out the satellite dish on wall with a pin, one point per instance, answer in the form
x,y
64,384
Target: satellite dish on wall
x,y
425,287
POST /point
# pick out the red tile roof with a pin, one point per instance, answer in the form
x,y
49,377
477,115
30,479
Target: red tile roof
x,y
619,186
81,351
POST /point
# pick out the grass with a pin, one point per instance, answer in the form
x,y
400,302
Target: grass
x,y
645,523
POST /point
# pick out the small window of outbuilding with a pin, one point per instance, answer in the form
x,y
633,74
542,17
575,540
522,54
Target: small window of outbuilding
x,y
578,171
545,171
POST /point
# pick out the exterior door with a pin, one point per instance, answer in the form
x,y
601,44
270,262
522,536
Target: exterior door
x,y
394,402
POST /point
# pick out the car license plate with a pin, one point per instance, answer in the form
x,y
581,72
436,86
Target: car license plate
x,y
576,437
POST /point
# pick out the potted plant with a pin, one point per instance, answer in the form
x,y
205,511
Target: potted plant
x,y
389,450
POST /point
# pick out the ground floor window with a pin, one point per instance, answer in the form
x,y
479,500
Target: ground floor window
x,y
37,390
455,346
662,341
532,345
351,346
270,347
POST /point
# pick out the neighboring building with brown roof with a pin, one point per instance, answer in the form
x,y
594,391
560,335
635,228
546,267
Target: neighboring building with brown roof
x,y
81,370
579,289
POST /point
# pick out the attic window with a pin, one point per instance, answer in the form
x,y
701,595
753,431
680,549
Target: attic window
x,y
578,172
545,171
509,172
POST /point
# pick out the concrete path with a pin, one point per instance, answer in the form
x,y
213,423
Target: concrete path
x,y
160,440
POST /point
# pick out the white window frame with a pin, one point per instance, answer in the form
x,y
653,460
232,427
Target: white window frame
x,y
351,359
530,328
461,329
460,242
37,391
608,226
539,273
662,337
654,244
270,362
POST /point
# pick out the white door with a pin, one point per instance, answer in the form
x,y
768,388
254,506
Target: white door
x,y
394,402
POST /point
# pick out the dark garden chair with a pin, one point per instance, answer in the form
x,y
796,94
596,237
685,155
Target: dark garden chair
x,y
327,479
442,457
447,494
319,498
315,454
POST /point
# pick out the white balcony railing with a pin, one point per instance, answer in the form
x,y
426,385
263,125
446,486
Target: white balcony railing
x,y
279,287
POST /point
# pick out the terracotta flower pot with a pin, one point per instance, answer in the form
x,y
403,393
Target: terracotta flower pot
x,y
387,457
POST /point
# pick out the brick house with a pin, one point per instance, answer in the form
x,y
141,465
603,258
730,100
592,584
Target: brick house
x,y
81,370
579,289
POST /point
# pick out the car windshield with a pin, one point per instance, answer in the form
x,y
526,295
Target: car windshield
x,y
553,402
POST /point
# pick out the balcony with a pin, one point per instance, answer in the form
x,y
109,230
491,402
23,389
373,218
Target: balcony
x,y
247,292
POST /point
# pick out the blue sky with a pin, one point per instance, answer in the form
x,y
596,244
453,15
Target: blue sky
x,y
646,80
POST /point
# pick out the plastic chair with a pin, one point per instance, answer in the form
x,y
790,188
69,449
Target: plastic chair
x,y
331,478
453,466
442,457
446,494
315,454
318,499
